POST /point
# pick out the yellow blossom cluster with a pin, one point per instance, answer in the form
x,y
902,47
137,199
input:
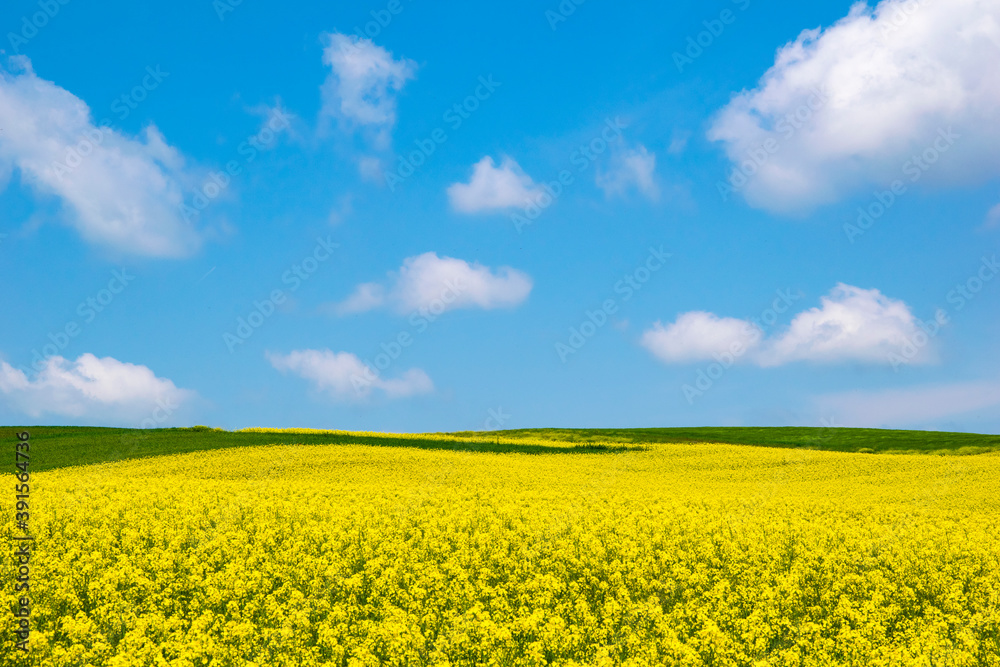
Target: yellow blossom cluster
x,y
692,554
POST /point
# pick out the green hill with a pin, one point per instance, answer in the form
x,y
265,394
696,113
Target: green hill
x,y
61,446
830,439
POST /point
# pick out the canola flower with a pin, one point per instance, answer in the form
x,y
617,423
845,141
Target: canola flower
x,y
692,554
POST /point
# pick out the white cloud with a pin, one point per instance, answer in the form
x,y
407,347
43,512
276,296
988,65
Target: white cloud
x,y
436,284
426,279
634,167
993,218
851,324
493,188
893,76
92,388
362,87
121,192
344,377
699,335
911,406
366,296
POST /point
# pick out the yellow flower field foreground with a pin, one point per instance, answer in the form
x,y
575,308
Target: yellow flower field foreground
x,y
679,555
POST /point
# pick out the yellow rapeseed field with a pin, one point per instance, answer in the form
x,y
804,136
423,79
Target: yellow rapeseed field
x,y
693,554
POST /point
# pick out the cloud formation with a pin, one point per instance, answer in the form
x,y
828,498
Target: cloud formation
x,y
121,192
911,406
363,84
437,284
850,325
493,188
344,377
365,297
845,108
697,335
97,389
631,168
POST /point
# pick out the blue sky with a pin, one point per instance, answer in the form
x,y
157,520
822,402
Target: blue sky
x,y
415,216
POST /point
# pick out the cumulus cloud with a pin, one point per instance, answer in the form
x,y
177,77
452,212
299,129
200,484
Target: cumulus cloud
x,y
631,168
430,283
911,406
851,324
92,388
846,107
344,377
492,188
363,84
699,335
118,191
